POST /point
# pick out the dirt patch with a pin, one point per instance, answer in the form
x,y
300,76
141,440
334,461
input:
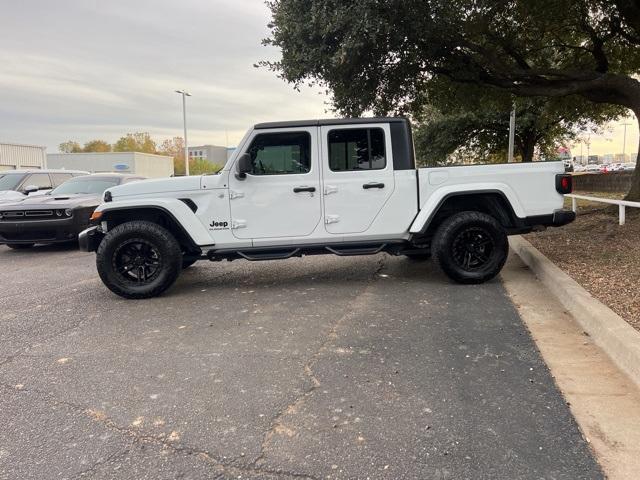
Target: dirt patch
x,y
601,255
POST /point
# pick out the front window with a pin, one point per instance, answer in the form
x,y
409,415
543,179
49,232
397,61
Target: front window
x,y
356,149
10,181
281,153
85,185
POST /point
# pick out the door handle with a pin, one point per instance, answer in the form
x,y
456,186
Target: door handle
x,y
367,186
303,189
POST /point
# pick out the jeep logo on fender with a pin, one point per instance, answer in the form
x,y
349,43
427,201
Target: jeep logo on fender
x,y
219,225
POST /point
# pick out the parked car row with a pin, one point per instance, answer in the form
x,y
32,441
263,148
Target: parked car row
x,y
18,184
605,168
51,215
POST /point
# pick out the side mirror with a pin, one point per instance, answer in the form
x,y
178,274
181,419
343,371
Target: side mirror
x,y
243,166
30,189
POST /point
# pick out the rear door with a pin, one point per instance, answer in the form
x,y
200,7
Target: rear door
x,y
357,175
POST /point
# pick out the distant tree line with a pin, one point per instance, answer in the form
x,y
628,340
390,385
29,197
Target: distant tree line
x,y
143,142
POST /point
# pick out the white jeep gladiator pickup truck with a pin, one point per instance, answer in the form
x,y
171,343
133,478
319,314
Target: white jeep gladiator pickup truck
x,y
341,186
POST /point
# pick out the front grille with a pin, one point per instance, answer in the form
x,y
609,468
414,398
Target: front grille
x,y
38,213
26,214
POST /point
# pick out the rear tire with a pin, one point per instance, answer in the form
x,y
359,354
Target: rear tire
x,y
139,259
470,247
20,246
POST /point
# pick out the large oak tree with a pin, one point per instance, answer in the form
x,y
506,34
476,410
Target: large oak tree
x,y
379,54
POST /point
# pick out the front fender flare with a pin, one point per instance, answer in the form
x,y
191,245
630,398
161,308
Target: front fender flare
x,y
176,209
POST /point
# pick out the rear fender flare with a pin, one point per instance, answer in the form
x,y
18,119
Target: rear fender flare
x,y
433,203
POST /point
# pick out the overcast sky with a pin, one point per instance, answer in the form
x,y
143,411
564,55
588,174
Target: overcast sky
x,y
85,69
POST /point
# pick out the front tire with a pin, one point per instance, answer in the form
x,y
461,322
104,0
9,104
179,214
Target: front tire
x,y
470,247
139,259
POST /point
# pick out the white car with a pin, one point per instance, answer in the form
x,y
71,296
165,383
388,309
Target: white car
x,y
340,186
16,185
628,167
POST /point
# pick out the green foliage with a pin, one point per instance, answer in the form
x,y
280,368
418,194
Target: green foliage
x,y
96,146
70,147
135,142
201,166
379,56
470,123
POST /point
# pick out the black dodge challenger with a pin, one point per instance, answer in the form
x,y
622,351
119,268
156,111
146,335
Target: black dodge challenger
x,y
58,216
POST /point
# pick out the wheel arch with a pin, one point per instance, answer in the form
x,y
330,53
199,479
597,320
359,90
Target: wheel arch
x,y
155,214
493,202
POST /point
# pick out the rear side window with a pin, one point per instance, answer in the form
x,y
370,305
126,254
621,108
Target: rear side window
x,y
281,153
356,149
60,178
40,180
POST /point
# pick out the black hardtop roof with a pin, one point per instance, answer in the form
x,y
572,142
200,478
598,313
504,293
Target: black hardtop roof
x,y
329,121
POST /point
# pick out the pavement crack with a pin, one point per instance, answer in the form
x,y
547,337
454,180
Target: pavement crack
x,y
164,441
277,426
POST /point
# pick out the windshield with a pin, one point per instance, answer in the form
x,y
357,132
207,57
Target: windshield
x,y
9,181
77,185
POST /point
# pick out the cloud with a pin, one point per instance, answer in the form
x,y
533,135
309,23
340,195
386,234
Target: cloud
x,y
79,69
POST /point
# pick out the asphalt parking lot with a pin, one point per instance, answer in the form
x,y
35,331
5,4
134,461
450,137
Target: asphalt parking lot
x,y
323,367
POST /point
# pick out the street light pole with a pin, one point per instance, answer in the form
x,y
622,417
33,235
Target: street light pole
x,y
624,142
185,94
512,133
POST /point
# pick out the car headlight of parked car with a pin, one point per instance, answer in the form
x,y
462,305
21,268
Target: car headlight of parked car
x,y
68,212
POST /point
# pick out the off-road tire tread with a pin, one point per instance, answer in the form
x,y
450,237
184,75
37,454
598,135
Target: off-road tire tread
x,y
443,237
171,252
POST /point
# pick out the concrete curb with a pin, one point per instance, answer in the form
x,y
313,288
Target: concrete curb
x,y
619,340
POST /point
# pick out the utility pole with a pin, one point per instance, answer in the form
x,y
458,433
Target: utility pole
x,y
185,94
512,133
624,142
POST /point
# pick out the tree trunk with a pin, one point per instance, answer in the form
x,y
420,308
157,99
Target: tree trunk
x,y
527,151
527,144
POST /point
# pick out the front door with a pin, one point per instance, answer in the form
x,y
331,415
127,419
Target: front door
x,y
280,196
357,175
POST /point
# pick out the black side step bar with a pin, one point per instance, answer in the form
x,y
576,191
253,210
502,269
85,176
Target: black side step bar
x,y
345,252
268,255
283,252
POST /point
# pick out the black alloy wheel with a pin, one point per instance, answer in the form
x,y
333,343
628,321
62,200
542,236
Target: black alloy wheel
x,y
137,260
470,247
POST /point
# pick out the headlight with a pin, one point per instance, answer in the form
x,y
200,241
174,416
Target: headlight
x,y
68,212
59,213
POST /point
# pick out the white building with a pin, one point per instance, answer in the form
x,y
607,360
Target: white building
x,y
211,153
145,164
14,156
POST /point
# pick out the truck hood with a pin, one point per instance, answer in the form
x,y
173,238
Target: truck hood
x,y
161,185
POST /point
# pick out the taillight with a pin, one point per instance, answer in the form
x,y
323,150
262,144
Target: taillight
x,y
564,183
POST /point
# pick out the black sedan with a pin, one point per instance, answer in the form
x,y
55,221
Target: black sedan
x,y
58,216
